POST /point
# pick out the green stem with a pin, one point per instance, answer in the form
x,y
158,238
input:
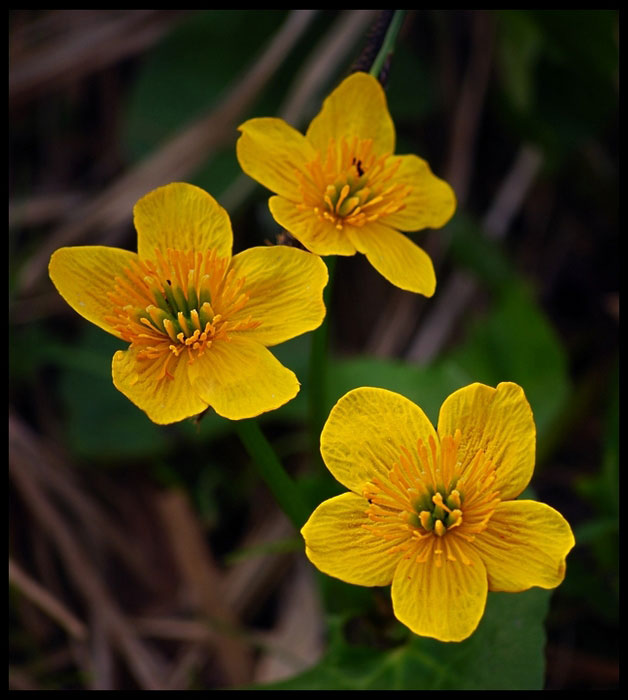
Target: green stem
x,y
283,487
388,45
318,366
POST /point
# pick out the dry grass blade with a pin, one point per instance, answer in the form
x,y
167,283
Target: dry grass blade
x,y
38,66
55,475
296,642
147,669
36,211
460,288
46,601
177,158
20,680
393,332
470,106
204,580
248,579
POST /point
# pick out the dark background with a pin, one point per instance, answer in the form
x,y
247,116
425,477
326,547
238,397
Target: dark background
x,y
156,554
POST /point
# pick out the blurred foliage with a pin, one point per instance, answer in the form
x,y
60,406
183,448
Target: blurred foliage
x,y
505,653
559,74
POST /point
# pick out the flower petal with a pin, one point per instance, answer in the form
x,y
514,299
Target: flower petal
x,y
357,107
182,217
430,203
445,602
321,237
241,379
338,545
498,421
395,257
270,151
84,275
365,432
524,545
285,288
164,400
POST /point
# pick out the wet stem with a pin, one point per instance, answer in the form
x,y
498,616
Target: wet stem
x,y
318,367
283,487
388,45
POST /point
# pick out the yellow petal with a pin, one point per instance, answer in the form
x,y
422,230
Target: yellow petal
x,y
524,545
164,400
240,378
321,237
285,288
357,107
445,602
430,203
181,217
498,421
270,151
365,432
338,545
395,257
84,275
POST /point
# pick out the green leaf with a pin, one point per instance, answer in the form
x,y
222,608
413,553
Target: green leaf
x,y
95,410
505,653
519,45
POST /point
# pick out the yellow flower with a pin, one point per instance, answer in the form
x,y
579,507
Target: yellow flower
x,y
433,512
198,320
340,189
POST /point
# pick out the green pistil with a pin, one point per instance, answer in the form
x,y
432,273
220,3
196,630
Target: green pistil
x,y
204,295
206,314
424,502
431,509
439,513
356,195
454,500
157,316
172,302
176,313
192,296
182,304
413,520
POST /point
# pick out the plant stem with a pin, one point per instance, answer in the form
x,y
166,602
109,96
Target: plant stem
x,y
318,366
388,45
282,485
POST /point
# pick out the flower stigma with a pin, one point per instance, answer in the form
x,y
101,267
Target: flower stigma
x,y
431,500
180,302
352,185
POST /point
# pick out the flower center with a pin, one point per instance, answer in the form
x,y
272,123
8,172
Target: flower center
x,y
430,501
179,302
352,186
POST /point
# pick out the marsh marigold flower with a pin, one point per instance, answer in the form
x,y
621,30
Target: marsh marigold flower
x,y
433,512
197,319
340,188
